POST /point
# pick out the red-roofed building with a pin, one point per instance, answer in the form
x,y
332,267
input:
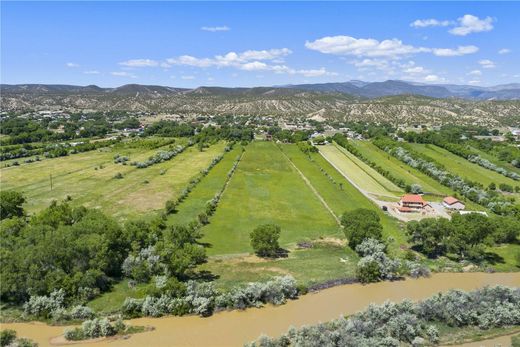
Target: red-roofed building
x,y
411,203
453,203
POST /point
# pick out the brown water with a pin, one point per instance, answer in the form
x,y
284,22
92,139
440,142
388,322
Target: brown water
x,y
234,328
501,341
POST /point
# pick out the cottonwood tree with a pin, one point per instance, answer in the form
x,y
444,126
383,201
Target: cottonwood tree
x,y
264,240
361,224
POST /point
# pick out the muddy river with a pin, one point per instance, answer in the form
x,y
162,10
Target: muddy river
x,y
233,328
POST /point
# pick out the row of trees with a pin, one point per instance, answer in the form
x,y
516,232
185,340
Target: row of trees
x,y
471,190
82,251
464,235
409,323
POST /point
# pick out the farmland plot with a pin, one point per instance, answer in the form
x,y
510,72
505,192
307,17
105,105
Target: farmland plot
x,y
360,174
266,189
89,179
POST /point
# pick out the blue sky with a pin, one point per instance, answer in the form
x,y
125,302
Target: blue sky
x,y
189,44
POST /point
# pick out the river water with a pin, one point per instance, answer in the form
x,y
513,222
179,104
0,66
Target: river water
x,y
234,328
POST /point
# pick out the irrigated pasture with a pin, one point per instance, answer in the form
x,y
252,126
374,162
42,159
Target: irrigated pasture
x,y
205,190
266,189
90,179
363,176
462,167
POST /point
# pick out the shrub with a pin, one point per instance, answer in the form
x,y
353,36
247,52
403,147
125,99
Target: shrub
x,y
81,312
44,306
264,240
118,176
7,336
375,265
361,224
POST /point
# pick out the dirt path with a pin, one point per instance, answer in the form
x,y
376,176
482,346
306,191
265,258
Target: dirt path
x,y
309,184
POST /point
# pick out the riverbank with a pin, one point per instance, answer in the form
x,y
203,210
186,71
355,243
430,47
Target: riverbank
x,y
234,328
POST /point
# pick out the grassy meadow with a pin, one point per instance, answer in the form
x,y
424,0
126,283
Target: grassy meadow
x,y
266,189
360,173
462,167
205,190
88,178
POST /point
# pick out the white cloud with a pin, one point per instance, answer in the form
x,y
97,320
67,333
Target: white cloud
x,y
423,23
449,52
372,63
188,77
314,72
433,78
139,63
474,82
232,59
371,48
416,70
504,51
91,72
486,64
123,74
72,65
251,60
347,45
475,73
217,28
468,24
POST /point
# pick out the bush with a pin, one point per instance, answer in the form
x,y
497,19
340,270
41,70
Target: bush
x,y
44,306
375,265
264,240
361,224
7,337
81,312
406,323
118,176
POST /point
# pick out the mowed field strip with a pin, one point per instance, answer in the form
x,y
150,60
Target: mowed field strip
x,y
266,189
139,191
462,167
360,174
205,190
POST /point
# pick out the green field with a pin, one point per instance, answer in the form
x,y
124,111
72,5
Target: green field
x,y
362,175
407,173
205,190
266,189
462,167
88,178
492,158
330,259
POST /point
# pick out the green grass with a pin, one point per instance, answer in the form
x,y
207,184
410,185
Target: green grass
x,y
205,190
361,174
139,192
462,167
507,257
492,158
407,173
352,198
370,172
308,266
266,189
111,301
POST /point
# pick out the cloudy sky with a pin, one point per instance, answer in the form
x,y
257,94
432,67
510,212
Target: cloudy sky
x,y
252,44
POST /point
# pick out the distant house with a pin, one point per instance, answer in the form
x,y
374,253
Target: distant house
x,y
412,203
453,203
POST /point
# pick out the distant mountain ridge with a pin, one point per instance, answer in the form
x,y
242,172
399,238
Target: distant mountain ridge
x,y
396,102
354,88
396,87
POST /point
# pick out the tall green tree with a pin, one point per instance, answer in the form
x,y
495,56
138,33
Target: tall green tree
x,y
11,204
264,240
361,224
